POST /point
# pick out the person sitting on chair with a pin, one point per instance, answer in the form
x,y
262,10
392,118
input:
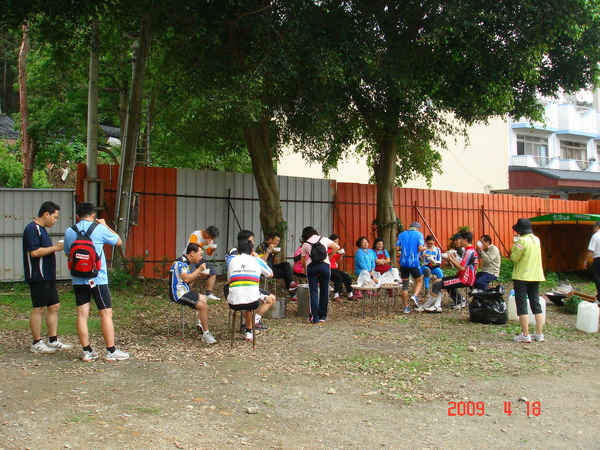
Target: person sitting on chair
x,y
205,238
180,278
243,273
489,255
268,252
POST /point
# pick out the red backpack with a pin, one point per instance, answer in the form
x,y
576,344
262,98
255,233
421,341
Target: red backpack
x,y
83,259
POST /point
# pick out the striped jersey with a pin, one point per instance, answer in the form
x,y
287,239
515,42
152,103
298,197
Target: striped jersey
x,y
244,272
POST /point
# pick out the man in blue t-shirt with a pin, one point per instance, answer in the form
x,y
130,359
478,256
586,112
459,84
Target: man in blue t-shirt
x,y
410,244
97,288
39,262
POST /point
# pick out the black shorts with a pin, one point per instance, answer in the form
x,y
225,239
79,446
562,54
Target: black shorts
x,y
190,299
406,272
100,293
244,306
43,293
209,266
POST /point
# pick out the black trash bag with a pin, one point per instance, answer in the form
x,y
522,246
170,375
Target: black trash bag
x,y
488,306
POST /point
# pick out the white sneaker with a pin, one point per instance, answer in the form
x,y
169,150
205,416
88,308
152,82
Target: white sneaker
x,y
89,356
59,345
117,355
415,300
522,338
212,297
208,338
434,309
460,305
40,347
420,308
248,336
538,337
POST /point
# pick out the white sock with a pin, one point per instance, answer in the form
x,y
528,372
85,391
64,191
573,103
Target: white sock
x,y
430,301
438,300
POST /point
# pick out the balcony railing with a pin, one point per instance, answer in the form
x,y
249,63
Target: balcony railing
x,y
553,163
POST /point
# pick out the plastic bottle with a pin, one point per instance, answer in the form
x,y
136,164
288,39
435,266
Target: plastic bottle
x,y
587,317
512,308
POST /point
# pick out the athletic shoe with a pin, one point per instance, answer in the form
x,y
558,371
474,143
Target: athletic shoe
x,y
538,337
293,286
117,355
208,338
248,336
40,347
336,298
351,298
212,297
523,338
415,300
420,309
59,345
89,356
260,326
434,309
407,310
460,305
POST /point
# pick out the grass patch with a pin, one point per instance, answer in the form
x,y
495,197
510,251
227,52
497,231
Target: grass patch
x,y
149,410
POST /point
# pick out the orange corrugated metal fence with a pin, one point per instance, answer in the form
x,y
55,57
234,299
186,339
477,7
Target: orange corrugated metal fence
x,y
441,213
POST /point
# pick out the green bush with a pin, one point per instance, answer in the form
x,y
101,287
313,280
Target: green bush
x,y
506,270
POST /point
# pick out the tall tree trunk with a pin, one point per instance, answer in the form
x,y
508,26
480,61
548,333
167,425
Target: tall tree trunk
x,y
259,148
28,147
130,139
385,175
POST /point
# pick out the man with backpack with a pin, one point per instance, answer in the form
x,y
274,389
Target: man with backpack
x,y
84,245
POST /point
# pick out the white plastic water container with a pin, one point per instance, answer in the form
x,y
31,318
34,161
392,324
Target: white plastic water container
x,y
512,309
587,317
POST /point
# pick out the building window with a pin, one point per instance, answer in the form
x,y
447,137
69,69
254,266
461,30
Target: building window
x,y
573,150
531,145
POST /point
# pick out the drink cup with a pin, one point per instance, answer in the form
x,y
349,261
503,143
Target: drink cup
x,y
212,245
444,255
341,251
276,249
479,244
205,272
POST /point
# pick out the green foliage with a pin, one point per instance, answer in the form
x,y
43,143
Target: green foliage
x,y
11,170
571,304
506,270
129,273
162,268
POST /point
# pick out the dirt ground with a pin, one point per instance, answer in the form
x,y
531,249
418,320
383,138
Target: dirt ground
x,y
393,381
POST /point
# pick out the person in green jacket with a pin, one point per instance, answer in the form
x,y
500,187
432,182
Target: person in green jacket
x,y
527,274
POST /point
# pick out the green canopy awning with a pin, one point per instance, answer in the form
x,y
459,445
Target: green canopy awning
x,y
565,218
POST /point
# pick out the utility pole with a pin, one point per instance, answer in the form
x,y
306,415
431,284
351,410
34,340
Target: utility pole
x,y
92,121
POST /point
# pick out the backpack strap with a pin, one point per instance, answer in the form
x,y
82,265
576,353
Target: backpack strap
x,y
91,229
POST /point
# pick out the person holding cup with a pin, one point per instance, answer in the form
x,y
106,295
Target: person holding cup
x,y
432,260
489,256
339,277
269,251
205,240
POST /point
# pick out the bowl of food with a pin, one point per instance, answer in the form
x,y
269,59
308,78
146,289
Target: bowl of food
x,y
276,249
205,272
557,298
